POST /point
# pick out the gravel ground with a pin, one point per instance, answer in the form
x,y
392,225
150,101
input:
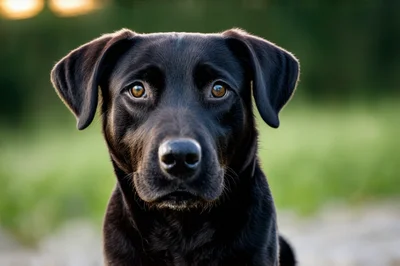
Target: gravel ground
x,y
337,236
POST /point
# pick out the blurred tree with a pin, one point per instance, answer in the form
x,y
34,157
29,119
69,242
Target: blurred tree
x,y
348,49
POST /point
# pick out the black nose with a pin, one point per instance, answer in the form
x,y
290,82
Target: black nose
x,y
180,157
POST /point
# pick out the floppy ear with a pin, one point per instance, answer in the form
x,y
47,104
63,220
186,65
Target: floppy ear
x,y
274,72
76,77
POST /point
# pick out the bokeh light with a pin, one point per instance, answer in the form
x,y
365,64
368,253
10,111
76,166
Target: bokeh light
x,y
20,9
66,8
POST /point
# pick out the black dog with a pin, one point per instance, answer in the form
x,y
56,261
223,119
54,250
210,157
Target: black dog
x,y
178,122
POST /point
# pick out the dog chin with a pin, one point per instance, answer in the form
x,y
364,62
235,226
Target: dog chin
x,y
177,206
179,201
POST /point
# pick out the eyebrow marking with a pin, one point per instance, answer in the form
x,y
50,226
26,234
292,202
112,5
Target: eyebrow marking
x,y
147,73
216,72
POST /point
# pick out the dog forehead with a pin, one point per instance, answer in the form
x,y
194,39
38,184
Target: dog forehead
x,y
185,47
178,49
179,38
175,54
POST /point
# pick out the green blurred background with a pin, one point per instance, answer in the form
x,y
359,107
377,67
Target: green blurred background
x,y
339,136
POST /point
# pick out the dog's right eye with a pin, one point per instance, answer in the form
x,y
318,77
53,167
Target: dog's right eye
x,y
137,90
218,90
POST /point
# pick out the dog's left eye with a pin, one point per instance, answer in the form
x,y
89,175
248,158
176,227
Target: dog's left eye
x,y
137,90
218,90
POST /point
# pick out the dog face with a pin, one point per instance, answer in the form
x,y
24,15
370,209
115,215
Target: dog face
x,y
177,112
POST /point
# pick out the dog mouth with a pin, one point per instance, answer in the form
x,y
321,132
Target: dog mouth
x,y
178,196
178,200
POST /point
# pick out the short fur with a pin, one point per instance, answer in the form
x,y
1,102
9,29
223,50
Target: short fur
x,y
229,218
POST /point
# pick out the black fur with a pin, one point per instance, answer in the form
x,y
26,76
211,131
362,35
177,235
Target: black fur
x,y
223,214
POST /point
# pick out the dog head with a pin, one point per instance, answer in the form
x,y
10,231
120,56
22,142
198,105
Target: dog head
x,y
176,107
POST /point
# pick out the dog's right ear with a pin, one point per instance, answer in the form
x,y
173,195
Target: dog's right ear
x,y
274,72
76,77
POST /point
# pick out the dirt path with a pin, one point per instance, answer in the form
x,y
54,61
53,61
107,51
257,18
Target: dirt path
x,y
338,236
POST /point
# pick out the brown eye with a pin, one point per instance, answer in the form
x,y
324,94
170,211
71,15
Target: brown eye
x,y
138,91
218,90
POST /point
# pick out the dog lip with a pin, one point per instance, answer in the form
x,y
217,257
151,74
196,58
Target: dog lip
x,y
179,195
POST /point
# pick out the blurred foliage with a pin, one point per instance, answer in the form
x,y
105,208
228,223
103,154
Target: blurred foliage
x,y
336,142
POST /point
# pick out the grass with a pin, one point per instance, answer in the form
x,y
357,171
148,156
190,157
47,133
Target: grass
x,y
318,155
321,155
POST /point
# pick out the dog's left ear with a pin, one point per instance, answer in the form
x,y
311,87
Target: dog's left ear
x,y
273,70
76,77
